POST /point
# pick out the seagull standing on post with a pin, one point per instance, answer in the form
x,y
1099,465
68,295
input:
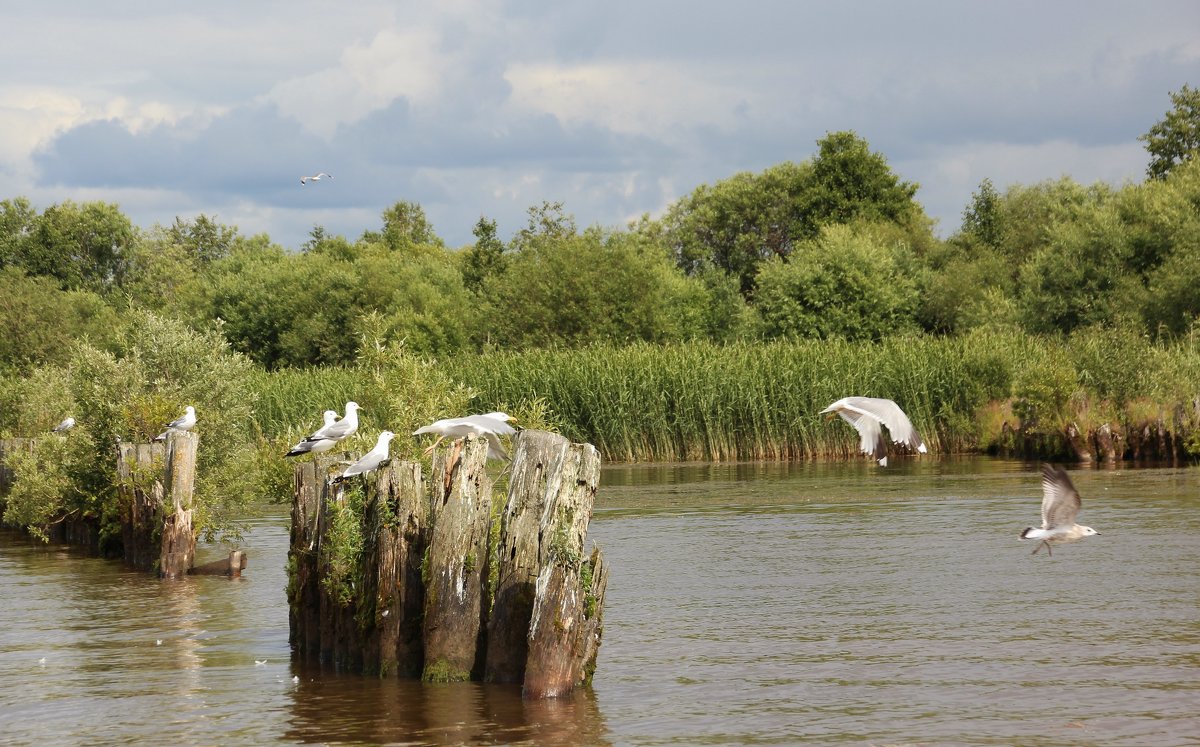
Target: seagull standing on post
x,y
182,423
316,442
866,414
67,424
373,458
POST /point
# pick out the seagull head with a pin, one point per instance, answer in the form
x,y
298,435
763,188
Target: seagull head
x,y
1088,531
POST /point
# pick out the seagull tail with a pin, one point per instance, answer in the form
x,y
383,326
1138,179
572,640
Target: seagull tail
x,y
1033,533
883,462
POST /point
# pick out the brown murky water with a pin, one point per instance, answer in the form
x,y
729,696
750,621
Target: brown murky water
x,y
749,604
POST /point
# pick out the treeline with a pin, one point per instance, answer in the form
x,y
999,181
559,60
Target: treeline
x,y
715,331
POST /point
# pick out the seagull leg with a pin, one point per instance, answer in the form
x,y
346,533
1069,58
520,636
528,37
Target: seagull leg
x,y
429,451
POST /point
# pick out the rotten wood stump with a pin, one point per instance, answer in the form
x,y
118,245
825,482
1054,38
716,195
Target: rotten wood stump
x,y
458,547
140,484
178,535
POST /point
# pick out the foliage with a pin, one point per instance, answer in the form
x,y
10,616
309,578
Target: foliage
x,y
1175,138
38,320
843,284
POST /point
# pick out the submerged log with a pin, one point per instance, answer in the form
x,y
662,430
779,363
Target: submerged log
x,y
462,501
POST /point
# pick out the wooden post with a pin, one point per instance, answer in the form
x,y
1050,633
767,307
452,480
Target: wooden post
x,y
303,580
140,469
559,623
178,537
462,493
400,515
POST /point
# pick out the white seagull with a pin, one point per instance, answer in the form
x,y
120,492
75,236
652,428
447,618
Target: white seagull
x,y
316,443
1060,506
67,424
373,458
306,179
340,429
866,414
490,425
182,423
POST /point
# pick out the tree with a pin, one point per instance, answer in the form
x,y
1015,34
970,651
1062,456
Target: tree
x,y
852,183
83,245
484,258
203,239
1174,139
405,226
982,218
844,284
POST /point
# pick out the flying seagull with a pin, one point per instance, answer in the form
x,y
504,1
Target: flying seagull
x,y
67,424
317,442
306,179
182,423
490,425
1060,506
866,414
373,458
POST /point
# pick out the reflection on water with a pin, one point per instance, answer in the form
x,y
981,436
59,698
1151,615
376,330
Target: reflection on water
x,y
814,603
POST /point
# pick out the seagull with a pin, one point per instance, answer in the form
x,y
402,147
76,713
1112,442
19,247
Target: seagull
x,y
1060,506
182,423
490,425
67,424
316,443
157,641
306,179
866,414
260,662
373,458
343,428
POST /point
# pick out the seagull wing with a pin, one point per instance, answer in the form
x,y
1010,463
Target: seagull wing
x,y
889,413
486,424
1060,500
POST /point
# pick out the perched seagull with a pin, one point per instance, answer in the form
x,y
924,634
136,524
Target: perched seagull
x,y
182,423
306,179
373,458
317,442
866,414
67,424
490,425
340,429
1060,506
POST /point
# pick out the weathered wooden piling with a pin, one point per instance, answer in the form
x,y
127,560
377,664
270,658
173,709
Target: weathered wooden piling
x,y
458,547
418,600
231,566
140,472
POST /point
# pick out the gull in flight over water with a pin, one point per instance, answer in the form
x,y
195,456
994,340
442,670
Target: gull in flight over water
x,y
1060,506
373,458
315,178
182,423
316,442
67,424
490,425
866,414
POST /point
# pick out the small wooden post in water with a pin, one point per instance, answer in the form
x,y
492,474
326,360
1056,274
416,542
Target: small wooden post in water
x,y
178,536
462,501
140,469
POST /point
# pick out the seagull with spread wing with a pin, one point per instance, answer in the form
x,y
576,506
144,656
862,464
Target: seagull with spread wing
x,y
490,425
1060,506
867,414
315,178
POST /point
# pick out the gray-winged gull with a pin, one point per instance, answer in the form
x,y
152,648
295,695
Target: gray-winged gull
x,y
316,442
182,423
316,178
1060,506
490,425
67,424
866,414
373,458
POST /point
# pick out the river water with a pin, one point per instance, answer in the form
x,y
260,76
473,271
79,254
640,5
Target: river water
x,y
748,604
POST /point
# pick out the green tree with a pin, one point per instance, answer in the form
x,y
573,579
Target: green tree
x,y
39,320
203,239
852,183
83,245
843,284
484,258
17,220
982,217
404,227
1174,139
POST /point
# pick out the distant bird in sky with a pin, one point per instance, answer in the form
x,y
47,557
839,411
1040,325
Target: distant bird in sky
x,y
182,423
490,425
373,458
1060,506
866,414
316,442
318,177
67,424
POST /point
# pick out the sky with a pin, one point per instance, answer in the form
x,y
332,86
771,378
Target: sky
x,y
615,109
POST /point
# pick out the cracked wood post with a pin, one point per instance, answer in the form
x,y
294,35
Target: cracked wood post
x,y
536,480
178,536
303,583
461,505
140,468
399,514
564,623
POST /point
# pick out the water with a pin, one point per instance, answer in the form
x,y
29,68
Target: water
x,y
748,604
